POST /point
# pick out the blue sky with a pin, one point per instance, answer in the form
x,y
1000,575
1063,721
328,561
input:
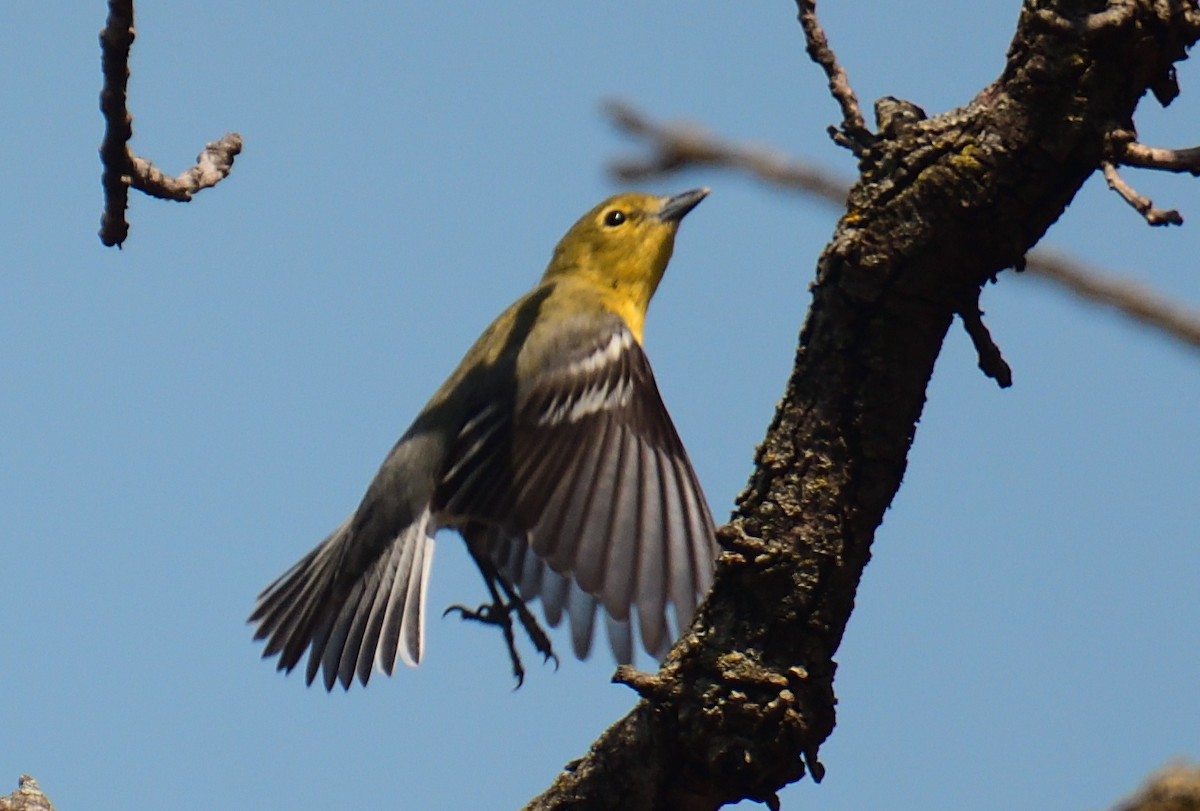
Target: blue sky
x,y
183,419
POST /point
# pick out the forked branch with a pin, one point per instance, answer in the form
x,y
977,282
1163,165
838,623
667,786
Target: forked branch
x,y
121,169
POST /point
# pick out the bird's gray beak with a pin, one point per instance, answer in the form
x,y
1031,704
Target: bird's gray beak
x,y
676,207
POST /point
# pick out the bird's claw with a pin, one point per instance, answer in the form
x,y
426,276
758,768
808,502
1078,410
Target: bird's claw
x,y
485,613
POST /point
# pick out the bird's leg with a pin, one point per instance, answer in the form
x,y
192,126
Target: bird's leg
x,y
532,629
495,613
499,612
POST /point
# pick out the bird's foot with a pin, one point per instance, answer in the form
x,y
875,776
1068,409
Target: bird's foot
x,y
486,613
500,613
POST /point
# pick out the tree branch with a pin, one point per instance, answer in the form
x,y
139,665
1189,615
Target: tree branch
x,y
212,166
115,41
1168,160
853,134
120,167
1124,149
745,699
676,147
1143,205
1142,305
991,362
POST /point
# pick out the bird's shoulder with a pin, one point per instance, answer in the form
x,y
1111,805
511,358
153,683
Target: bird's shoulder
x,y
581,360
577,335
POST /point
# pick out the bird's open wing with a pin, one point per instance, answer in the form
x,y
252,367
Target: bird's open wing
x,y
585,464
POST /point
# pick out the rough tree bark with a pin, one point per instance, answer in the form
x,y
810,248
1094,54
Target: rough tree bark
x,y
942,205
27,797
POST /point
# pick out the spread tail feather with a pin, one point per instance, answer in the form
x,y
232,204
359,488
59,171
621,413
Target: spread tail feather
x,y
349,621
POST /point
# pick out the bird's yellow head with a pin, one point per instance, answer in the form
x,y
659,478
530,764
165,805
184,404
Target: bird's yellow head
x,y
622,247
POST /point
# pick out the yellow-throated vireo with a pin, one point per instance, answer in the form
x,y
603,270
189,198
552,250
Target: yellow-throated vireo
x,y
549,449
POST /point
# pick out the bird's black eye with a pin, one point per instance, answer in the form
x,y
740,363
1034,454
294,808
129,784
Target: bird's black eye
x,y
614,218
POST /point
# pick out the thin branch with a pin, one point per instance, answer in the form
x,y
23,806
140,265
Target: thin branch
x,y
212,166
1123,148
115,41
120,167
991,362
1168,160
853,134
1142,305
647,685
1143,205
677,147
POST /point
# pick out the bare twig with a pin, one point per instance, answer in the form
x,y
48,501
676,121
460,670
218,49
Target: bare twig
x,y
1123,148
1135,301
991,362
1143,205
1168,160
646,685
121,168
676,147
212,166
853,133
115,41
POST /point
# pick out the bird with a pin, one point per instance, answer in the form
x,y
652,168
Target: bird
x,y
549,449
